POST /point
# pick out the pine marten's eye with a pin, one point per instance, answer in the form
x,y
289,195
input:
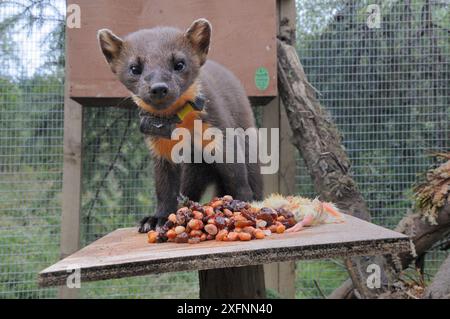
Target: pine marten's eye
x,y
135,69
179,66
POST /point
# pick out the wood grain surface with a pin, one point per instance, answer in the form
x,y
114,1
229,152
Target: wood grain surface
x,y
125,252
243,39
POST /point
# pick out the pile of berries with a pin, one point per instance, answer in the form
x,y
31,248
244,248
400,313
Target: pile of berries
x,y
222,219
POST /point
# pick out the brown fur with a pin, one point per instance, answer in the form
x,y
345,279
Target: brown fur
x,y
147,58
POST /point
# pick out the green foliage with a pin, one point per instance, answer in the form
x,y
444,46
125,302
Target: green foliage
x,y
386,88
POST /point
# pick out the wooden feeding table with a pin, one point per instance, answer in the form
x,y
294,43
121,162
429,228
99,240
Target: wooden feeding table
x,y
125,253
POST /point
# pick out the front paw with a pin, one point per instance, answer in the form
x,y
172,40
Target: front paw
x,y
151,223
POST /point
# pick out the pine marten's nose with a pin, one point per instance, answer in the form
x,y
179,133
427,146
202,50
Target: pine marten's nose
x,y
159,90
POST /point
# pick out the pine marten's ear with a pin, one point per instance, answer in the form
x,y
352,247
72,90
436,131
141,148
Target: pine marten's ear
x,y
111,46
199,35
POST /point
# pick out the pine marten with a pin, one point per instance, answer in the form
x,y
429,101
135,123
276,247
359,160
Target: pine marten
x,y
166,70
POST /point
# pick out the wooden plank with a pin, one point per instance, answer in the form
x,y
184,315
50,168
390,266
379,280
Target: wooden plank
x,y
281,276
288,165
125,252
271,119
71,190
240,43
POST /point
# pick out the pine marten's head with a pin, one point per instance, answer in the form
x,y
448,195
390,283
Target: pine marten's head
x,y
160,65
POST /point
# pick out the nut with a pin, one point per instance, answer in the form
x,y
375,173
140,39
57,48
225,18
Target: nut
x,y
227,212
182,238
239,217
249,229
209,211
221,234
217,203
171,234
195,233
152,237
259,234
211,229
179,229
233,236
195,224
281,228
273,228
245,236
227,198
220,222
243,223
197,214
172,218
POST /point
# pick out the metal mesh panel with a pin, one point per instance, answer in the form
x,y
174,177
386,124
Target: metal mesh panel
x,y
387,89
118,191
31,131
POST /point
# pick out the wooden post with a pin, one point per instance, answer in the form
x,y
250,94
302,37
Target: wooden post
x,y
71,190
281,276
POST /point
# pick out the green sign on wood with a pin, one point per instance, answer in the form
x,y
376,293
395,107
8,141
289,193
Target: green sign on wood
x,y
262,78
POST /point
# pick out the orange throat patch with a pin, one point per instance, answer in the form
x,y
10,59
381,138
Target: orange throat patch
x,y
160,146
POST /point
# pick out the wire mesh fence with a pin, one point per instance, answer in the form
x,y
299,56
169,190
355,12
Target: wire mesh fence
x,y
31,131
386,87
118,190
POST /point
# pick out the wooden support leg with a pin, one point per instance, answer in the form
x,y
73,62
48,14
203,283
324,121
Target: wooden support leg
x,y
71,200
235,282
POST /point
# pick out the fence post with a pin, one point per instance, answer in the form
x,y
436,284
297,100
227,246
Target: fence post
x,y
281,276
71,188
